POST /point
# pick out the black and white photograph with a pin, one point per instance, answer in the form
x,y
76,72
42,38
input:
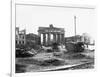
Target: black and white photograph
x,y
54,38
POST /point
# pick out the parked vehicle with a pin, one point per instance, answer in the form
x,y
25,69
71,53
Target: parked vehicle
x,y
23,53
75,47
79,47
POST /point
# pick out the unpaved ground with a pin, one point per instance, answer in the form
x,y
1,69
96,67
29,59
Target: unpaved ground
x,y
32,64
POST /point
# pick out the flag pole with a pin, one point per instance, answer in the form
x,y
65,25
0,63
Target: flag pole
x,y
75,27
75,24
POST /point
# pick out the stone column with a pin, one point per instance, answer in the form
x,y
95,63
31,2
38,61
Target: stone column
x,y
54,37
62,40
58,39
48,40
39,41
44,38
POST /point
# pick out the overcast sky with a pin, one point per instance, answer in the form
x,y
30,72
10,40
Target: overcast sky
x,y
32,17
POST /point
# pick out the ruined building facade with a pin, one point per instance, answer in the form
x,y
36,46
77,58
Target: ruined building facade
x,y
20,36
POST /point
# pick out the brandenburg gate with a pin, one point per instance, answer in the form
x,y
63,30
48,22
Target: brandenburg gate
x,y
46,32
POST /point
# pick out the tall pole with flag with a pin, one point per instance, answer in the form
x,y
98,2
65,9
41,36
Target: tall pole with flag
x,y
75,24
75,27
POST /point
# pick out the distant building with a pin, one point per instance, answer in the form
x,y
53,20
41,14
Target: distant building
x,y
86,38
32,39
80,38
76,38
20,37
